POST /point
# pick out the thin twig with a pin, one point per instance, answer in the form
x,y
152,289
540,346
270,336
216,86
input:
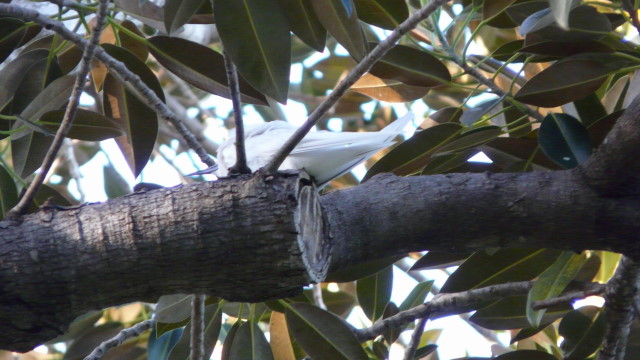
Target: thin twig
x,y
118,70
410,351
240,166
360,69
122,336
621,292
70,112
197,327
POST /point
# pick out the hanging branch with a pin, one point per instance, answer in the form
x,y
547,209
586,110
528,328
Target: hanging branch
x,y
240,166
360,69
69,114
410,351
197,327
119,339
118,70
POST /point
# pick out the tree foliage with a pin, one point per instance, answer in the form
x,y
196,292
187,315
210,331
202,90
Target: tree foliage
x,y
534,84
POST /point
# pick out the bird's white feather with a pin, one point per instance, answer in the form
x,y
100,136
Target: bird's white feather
x,y
325,155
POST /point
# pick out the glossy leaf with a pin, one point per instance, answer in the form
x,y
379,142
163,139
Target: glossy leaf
x,y
585,24
374,292
411,66
493,8
261,48
228,341
12,31
505,265
417,295
139,121
438,260
205,71
590,110
38,76
610,262
178,13
424,351
249,343
510,313
87,125
8,192
506,151
321,334
304,22
132,44
212,325
11,74
386,14
146,11
344,27
279,337
87,341
471,139
473,115
583,330
414,153
173,308
565,48
564,140
388,90
552,282
563,82
159,347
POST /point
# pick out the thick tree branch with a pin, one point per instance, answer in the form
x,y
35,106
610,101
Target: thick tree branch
x,y
360,69
117,69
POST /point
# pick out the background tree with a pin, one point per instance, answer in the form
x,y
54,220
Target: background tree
x,y
535,85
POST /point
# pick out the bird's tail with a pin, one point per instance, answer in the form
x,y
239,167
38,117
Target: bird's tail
x,y
397,126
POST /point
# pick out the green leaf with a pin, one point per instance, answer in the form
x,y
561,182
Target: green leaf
x,y
49,194
321,334
391,334
173,308
552,282
12,31
178,13
374,292
132,44
526,355
139,121
388,90
146,11
505,265
495,7
159,347
361,270
249,343
583,331
115,185
228,341
471,139
415,153
411,66
438,260
424,351
445,163
563,82
86,342
344,27
11,74
304,22
29,97
386,14
213,322
200,66
8,192
510,313
261,47
87,125
564,140
417,296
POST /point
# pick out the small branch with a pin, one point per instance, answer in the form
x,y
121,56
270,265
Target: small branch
x,y
197,327
117,69
70,112
444,305
117,340
621,292
240,166
410,351
596,289
360,69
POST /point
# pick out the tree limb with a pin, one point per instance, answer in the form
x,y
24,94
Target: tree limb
x,y
124,335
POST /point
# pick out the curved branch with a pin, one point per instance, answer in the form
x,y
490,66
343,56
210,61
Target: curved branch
x,y
119,339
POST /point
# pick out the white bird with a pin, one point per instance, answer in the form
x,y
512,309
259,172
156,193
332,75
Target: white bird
x,y
324,155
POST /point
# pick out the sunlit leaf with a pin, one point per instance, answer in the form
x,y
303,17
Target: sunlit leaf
x,y
321,334
411,66
564,140
388,90
583,331
386,14
8,192
304,22
344,27
261,47
87,125
374,292
279,337
205,71
417,295
178,12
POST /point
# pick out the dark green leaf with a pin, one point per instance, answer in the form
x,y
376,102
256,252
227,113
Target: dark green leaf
x,y
139,121
526,355
51,195
304,22
445,163
374,292
213,322
321,334
585,24
89,340
564,140
249,343
387,14
8,192
12,31
38,77
87,125
599,130
583,330
510,313
411,66
415,153
173,308
590,109
493,8
261,48
115,185
506,151
552,282
438,260
132,44
417,296
361,270
228,341
563,82
565,48
448,114
159,348
200,66
424,351
392,333
178,13
11,74
146,11
506,51
505,265
344,27
471,139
